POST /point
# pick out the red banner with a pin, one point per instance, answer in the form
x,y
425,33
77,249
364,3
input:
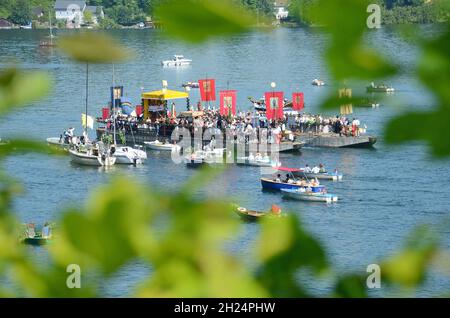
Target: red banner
x,y
274,105
207,89
227,102
298,102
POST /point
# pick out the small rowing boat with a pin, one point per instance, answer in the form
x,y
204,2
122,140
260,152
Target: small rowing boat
x,y
92,157
157,145
257,161
254,216
32,237
308,195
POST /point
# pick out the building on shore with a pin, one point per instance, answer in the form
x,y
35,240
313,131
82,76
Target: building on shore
x,y
5,24
281,12
72,12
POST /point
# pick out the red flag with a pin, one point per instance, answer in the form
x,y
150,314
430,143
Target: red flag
x,y
298,102
227,102
274,105
207,89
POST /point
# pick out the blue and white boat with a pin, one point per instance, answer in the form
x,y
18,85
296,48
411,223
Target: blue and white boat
x,y
307,195
276,183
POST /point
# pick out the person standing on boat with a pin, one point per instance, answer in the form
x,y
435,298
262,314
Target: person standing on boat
x,y
46,231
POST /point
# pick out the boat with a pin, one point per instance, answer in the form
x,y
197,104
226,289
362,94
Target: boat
x,y
257,161
92,157
178,60
51,36
202,157
276,183
32,237
124,154
129,155
307,195
58,142
157,145
317,82
382,88
253,216
191,84
322,175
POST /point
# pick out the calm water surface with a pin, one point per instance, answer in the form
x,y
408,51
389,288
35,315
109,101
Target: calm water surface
x,y
386,192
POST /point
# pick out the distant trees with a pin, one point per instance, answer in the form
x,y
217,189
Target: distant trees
x,y
21,12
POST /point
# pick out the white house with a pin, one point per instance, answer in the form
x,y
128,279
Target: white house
x,y
70,11
281,11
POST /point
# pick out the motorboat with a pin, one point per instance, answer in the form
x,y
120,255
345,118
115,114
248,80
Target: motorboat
x,y
92,156
382,88
258,161
191,84
318,82
162,146
59,142
178,60
129,155
305,194
33,237
323,175
203,157
283,178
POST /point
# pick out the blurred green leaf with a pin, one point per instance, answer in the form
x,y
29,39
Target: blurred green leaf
x,y
347,55
408,267
94,48
197,20
19,88
351,286
284,247
24,146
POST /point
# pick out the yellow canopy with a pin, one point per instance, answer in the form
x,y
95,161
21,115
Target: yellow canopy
x,y
165,95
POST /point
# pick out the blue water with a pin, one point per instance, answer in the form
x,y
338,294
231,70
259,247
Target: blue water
x,y
386,191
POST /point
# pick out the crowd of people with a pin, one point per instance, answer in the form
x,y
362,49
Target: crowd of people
x,y
342,125
245,124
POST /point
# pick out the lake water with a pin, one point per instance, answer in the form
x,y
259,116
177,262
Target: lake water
x,y
386,191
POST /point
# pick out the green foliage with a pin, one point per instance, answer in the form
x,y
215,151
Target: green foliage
x,y
196,21
431,126
181,236
21,12
93,48
88,17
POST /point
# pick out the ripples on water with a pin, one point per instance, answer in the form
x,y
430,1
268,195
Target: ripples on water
x,y
385,193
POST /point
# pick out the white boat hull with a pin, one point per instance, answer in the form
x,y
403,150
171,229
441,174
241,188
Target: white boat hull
x,y
56,141
160,146
129,156
309,196
85,159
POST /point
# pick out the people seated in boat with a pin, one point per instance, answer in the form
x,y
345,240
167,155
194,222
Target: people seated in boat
x,y
322,168
316,169
278,178
30,231
95,149
308,169
46,231
315,183
251,157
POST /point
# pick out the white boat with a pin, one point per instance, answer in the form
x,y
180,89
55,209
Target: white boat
x,y
382,88
178,60
157,145
303,194
129,156
334,176
259,162
201,157
191,84
58,142
317,82
90,158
